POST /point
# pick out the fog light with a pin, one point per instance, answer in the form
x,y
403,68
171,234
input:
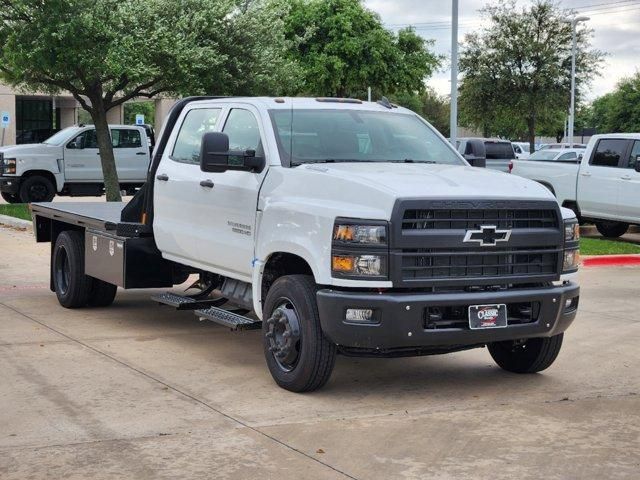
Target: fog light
x,y
359,315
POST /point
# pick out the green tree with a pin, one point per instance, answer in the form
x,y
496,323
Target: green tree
x,y
134,108
618,111
343,48
105,52
516,71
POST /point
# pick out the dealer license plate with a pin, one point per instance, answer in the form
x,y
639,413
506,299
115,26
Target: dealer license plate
x,y
487,316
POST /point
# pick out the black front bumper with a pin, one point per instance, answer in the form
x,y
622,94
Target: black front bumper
x,y
401,325
10,185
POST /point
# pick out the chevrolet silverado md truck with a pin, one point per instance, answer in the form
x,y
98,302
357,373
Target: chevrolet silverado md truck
x,y
335,226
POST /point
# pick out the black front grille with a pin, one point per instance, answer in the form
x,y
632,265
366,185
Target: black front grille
x,y
438,263
448,219
428,246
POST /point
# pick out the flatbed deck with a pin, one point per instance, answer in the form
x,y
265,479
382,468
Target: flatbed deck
x,y
95,215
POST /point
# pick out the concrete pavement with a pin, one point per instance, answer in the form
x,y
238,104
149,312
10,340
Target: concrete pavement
x,y
140,391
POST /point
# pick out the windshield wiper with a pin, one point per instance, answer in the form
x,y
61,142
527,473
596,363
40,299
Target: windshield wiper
x,y
332,160
411,160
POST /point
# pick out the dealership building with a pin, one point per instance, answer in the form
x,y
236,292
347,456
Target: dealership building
x,y
35,116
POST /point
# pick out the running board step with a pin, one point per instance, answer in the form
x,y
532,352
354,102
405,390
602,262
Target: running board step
x,y
228,319
182,303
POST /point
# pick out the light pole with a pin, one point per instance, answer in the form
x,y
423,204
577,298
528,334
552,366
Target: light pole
x,y
574,22
453,119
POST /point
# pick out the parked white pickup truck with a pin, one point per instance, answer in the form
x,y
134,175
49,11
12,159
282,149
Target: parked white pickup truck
x,y
335,226
600,183
68,163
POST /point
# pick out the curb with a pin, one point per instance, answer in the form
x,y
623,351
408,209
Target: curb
x,y
611,261
15,222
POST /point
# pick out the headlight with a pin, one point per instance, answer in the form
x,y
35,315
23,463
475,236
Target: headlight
x,y
360,234
571,260
571,231
8,165
346,265
360,249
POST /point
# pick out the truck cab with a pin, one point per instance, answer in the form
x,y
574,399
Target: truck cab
x,y
68,163
335,226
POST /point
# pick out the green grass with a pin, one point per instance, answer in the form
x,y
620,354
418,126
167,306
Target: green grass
x,y
18,210
597,246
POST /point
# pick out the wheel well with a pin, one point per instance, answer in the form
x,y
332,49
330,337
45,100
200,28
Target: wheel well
x,y
547,185
42,173
280,264
572,205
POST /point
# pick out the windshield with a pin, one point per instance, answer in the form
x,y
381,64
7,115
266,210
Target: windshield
x,y
499,151
544,155
61,137
321,135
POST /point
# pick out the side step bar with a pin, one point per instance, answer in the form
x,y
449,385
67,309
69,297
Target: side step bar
x,y
228,319
183,303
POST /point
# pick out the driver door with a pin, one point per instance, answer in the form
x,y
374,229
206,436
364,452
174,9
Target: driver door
x,y
82,158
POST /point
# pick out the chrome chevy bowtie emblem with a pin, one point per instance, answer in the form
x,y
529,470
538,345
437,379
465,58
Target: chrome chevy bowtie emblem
x,y
487,235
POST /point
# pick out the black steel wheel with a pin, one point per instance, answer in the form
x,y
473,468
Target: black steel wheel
x,y
299,356
528,355
71,285
36,189
612,229
10,197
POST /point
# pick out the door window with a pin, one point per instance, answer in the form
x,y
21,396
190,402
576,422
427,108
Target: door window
x,y
126,138
635,153
195,125
609,152
567,157
242,128
86,139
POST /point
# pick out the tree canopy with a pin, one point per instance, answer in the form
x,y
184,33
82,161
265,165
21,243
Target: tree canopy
x,y
618,111
342,48
516,71
105,52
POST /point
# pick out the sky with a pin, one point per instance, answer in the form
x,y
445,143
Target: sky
x,y
615,24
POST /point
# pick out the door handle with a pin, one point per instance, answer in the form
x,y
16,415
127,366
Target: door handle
x,y
163,177
586,174
140,153
625,177
206,183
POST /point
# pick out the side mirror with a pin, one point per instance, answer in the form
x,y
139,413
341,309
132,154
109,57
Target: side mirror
x,y
637,165
216,157
580,155
77,143
476,153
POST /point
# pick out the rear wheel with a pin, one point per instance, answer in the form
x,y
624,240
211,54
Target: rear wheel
x,y
526,356
612,229
71,285
102,293
10,197
36,189
299,356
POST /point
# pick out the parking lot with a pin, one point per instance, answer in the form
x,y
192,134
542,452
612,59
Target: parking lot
x,y
141,391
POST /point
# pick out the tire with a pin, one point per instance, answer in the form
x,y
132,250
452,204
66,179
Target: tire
x,y
102,293
612,229
36,189
531,356
10,197
71,285
311,358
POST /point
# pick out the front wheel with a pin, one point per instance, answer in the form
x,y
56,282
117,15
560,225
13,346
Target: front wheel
x,y
526,356
612,229
37,189
299,356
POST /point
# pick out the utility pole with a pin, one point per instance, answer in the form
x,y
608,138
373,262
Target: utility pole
x,y
574,22
453,121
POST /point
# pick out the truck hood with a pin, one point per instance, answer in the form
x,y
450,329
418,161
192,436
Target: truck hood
x,y
435,181
30,149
